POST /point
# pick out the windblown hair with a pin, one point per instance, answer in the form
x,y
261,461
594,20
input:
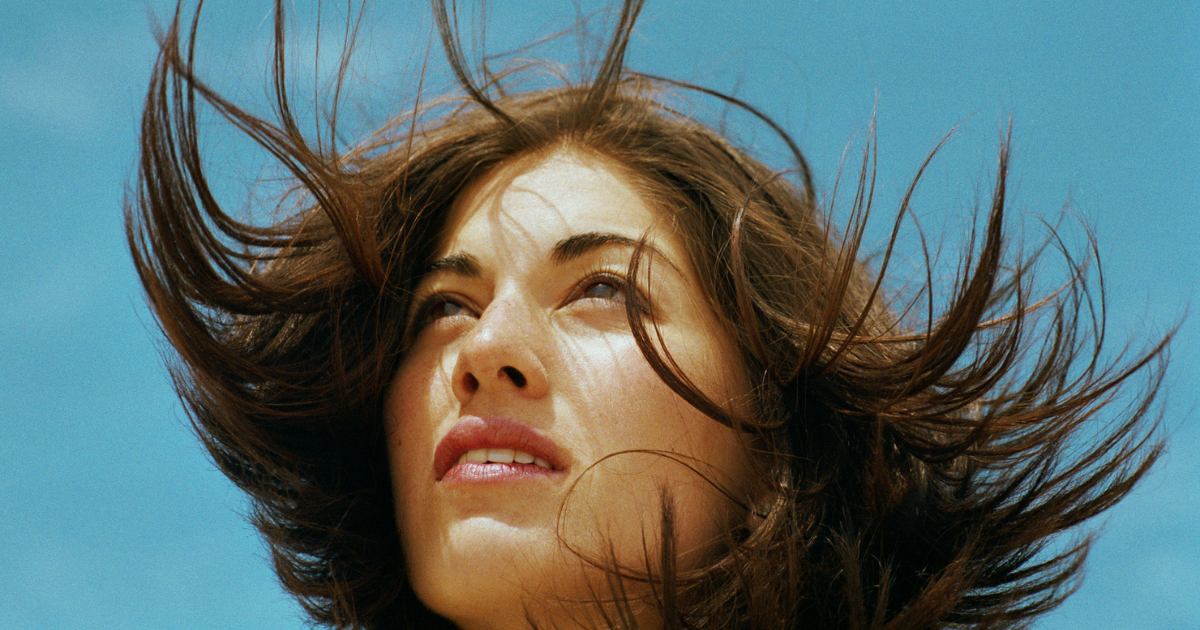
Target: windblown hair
x,y
917,472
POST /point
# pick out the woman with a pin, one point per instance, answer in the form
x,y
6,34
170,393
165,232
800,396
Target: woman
x,y
567,358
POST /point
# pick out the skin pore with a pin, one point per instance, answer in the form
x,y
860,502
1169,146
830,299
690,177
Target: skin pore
x,y
521,345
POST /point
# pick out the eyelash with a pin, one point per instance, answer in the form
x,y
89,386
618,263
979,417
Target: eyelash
x,y
628,291
592,278
423,313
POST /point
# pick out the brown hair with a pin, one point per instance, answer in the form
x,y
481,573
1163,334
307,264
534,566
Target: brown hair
x,y
915,474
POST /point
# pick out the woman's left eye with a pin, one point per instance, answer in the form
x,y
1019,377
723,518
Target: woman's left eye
x,y
610,294
602,288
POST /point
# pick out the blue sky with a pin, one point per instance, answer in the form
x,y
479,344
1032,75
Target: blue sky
x,y
112,516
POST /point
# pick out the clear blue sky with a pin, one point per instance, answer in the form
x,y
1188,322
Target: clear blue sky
x,y
112,518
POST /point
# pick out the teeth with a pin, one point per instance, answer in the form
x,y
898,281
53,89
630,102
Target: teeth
x,y
501,456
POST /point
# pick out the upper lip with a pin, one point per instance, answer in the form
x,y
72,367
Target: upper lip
x,y
494,432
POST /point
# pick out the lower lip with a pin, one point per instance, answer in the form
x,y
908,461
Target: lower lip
x,y
472,473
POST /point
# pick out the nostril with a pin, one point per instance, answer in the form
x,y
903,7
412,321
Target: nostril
x,y
514,375
471,382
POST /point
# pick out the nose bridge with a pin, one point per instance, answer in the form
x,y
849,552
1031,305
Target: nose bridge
x,y
503,351
506,323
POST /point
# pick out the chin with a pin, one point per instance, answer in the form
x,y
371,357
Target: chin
x,y
487,573
484,571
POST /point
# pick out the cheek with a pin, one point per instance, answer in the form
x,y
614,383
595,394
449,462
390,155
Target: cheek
x,y
618,399
696,460
417,398
623,402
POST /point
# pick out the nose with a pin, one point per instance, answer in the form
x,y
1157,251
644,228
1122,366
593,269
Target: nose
x,y
500,355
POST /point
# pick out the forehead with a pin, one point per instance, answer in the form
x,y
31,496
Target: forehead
x,y
536,202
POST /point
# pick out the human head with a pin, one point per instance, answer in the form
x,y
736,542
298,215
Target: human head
x,y
904,474
717,202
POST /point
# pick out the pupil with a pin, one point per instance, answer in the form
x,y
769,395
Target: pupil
x,y
603,290
444,308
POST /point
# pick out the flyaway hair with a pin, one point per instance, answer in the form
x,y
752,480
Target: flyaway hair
x,y
915,472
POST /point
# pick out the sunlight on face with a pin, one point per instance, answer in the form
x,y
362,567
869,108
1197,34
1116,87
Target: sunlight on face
x,y
512,416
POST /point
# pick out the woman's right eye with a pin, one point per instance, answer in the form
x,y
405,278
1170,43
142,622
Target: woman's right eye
x,y
437,307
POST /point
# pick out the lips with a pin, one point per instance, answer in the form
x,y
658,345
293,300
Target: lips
x,y
495,447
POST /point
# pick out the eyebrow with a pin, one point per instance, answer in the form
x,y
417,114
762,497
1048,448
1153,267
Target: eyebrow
x,y
459,264
564,251
575,246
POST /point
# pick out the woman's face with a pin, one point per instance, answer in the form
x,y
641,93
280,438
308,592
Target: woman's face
x,y
520,418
